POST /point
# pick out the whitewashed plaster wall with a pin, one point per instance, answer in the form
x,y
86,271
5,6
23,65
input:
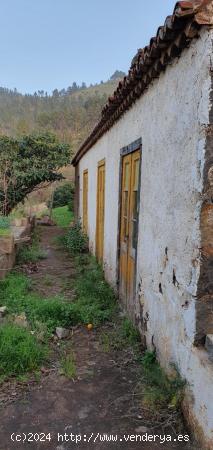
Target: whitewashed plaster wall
x,y
170,118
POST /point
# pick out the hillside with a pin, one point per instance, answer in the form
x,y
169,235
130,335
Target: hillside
x,y
70,113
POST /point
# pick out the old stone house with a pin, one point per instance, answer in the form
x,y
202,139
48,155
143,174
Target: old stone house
x,y
144,180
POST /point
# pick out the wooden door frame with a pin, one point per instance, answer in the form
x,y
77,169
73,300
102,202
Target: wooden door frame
x,y
85,172
101,163
132,147
77,193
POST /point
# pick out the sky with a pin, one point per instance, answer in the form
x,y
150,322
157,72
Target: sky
x,y
48,44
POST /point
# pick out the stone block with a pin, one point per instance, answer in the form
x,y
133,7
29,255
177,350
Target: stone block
x,y
6,244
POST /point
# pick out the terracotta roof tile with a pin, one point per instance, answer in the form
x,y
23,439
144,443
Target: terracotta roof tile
x,y
171,38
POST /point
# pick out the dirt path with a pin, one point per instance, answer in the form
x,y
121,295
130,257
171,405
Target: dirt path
x,y
102,400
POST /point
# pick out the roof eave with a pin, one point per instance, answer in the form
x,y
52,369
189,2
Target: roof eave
x,y
178,30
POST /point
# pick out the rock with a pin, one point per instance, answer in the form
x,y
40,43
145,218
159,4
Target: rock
x,y
21,320
62,333
45,371
3,311
46,220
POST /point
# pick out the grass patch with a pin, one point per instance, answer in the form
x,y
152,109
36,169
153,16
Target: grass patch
x,y
16,294
96,300
95,303
160,391
62,216
68,366
125,335
5,232
19,351
32,252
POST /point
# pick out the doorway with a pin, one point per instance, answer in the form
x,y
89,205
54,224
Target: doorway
x,y
100,211
85,201
130,200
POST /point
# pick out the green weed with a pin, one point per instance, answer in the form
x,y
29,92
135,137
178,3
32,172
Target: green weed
x,y
19,351
68,366
129,334
75,241
125,335
27,254
95,299
160,390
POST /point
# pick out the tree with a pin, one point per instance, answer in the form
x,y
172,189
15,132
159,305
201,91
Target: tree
x,y
74,86
64,195
55,93
83,86
62,92
27,162
69,90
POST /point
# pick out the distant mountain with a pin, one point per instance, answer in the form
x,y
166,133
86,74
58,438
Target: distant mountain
x,y
70,113
118,74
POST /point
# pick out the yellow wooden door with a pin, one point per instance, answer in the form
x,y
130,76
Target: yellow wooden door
x,y
100,211
129,227
85,201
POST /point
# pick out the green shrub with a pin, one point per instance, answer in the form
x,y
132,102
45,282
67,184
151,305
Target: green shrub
x,y
75,241
63,196
4,225
161,391
19,351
